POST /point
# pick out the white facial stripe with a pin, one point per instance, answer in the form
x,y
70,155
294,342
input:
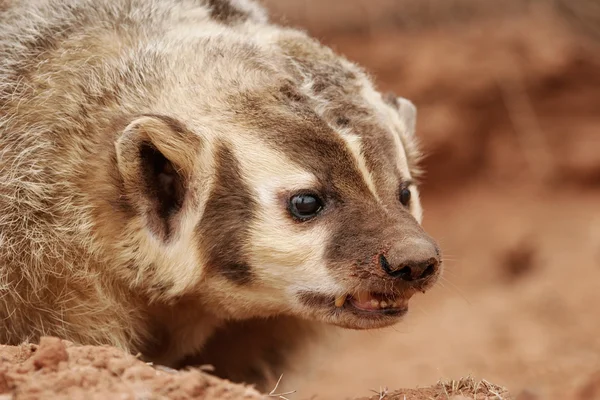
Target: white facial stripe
x,y
415,205
269,171
354,143
352,140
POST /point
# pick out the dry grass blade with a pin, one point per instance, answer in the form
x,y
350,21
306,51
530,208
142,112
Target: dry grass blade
x,y
382,392
280,395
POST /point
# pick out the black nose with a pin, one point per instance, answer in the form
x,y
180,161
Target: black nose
x,y
410,270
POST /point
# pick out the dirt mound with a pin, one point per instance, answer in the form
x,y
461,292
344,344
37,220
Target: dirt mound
x,y
60,370
55,369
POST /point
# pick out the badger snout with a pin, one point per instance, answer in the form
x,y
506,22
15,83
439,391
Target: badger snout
x,y
413,260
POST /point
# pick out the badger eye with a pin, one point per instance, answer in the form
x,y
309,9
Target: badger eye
x,y
305,206
405,196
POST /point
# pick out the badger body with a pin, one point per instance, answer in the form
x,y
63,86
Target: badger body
x,y
184,178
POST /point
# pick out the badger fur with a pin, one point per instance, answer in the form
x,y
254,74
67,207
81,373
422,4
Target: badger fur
x,y
184,178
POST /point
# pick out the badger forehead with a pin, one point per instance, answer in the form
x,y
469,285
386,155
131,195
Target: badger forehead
x,y
323,114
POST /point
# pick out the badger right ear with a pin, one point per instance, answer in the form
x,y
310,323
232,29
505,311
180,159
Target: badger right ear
x,y
156,156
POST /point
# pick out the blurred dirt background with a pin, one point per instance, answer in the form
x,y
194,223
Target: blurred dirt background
x,y
508,95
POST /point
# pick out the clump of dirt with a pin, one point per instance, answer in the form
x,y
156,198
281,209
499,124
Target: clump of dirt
x,y
519,260
57,369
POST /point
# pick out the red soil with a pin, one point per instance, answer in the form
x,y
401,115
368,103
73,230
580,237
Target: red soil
x,y
58,370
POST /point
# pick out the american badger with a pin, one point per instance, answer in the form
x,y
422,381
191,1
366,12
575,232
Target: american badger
x,y
183,177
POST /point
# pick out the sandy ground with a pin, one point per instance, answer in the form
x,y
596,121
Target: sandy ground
x,y
509,113
56,369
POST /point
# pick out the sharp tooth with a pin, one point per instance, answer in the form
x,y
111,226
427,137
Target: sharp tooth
x,y
383,304
394,304
363,297
339,301
374,303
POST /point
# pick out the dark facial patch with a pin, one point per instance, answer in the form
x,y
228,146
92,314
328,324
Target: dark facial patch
x,y
224,11
223,229
299,133
359,233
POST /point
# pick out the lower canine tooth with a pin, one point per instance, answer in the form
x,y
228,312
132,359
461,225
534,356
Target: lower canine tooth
x,y
339,301
374,303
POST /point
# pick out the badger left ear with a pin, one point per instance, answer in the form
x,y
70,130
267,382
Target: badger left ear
x,y
407,111
155,157
408,114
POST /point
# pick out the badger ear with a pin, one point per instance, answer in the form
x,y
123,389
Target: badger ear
x,y
406,110
155,157
408,114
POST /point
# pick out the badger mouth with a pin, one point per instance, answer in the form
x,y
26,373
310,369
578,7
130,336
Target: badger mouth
x,y
372,302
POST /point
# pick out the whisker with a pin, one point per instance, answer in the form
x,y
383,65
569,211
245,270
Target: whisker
x,y
456,290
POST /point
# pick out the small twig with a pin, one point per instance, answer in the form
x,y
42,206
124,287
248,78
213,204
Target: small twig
x,y
280,395
165,369
206,368
446,391
382,392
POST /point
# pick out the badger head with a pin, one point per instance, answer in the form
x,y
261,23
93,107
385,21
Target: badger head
x,y
274,180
